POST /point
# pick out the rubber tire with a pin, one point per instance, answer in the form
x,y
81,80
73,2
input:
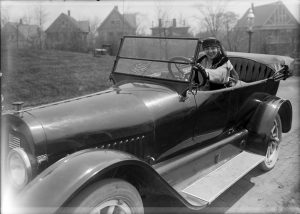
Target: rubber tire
x,y
101,191
264,166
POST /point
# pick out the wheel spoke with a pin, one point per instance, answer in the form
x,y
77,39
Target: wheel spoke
x,y
268,153
126,210
276,139
273,129
111,210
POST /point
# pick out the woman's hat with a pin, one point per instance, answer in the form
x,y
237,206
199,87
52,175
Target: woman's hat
x,y
211,42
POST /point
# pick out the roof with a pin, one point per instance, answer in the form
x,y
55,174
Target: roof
x,y
82,26
263,13
129,18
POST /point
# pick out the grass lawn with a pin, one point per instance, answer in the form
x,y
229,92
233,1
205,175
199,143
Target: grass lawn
x,y
42,76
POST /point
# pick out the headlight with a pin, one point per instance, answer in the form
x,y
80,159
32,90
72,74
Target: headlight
x,y
19,167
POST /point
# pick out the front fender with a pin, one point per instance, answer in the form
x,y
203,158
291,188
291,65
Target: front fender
x,y
62,180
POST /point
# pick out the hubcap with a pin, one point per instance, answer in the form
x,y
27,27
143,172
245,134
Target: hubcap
x,y
272,152
114,206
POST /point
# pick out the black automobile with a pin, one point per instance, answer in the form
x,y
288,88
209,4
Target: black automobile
x,y
155,132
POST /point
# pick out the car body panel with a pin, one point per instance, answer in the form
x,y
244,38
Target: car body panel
x,y
149,116
58,183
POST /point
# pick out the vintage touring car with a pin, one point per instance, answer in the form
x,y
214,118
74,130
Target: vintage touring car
x,y
154,132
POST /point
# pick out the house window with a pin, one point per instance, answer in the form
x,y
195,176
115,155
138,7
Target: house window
x,y
112,22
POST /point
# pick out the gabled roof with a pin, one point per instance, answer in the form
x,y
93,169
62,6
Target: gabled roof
x,y
82,26
263,13
129,18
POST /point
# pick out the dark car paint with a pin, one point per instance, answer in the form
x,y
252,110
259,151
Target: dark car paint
x,y
56,185
67,176
134,110
160,120
28,129
161,124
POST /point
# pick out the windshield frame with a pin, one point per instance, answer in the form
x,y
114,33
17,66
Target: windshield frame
x,y
118,57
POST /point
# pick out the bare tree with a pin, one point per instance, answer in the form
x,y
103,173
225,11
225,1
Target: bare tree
x,y
163,15
94,24
211,15
40,16
229,20
27,18
140,27
5,18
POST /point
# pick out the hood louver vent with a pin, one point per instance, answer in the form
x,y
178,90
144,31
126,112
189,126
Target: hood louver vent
x,y
13,141
132,145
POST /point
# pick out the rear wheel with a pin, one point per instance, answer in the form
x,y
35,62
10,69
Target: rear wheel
x,y
112,196
273,145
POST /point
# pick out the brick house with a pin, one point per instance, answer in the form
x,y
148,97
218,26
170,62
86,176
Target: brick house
x,y
19,35
170,29
114,26
66,33
275,30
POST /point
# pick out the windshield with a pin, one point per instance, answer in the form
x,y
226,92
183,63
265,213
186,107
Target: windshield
x,y
165,58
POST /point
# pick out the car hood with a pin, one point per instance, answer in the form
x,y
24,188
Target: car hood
x,y
124,111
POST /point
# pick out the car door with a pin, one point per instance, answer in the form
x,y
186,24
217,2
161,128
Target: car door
x,y
174,132
212,114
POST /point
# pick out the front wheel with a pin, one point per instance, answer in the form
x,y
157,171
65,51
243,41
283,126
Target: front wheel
x,y
273,146
112,196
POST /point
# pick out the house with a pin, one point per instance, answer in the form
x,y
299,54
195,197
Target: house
x,y
114,26
275,30
19,35
66,33
170,30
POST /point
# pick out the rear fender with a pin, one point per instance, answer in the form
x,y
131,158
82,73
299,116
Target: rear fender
x,y
55,186
264,115
261,121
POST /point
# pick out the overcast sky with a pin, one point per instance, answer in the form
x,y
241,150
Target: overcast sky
x,y
147,10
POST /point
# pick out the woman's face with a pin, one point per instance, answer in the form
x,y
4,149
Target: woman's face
x,y
212,51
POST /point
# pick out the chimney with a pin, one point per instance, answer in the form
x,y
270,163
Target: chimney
x,y
116,8
159,23
21,21
174,22
69,13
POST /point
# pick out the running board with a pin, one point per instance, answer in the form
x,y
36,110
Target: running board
x,y
209,187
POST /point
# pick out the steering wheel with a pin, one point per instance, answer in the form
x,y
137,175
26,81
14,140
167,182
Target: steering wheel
x,y
200,75
178,70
